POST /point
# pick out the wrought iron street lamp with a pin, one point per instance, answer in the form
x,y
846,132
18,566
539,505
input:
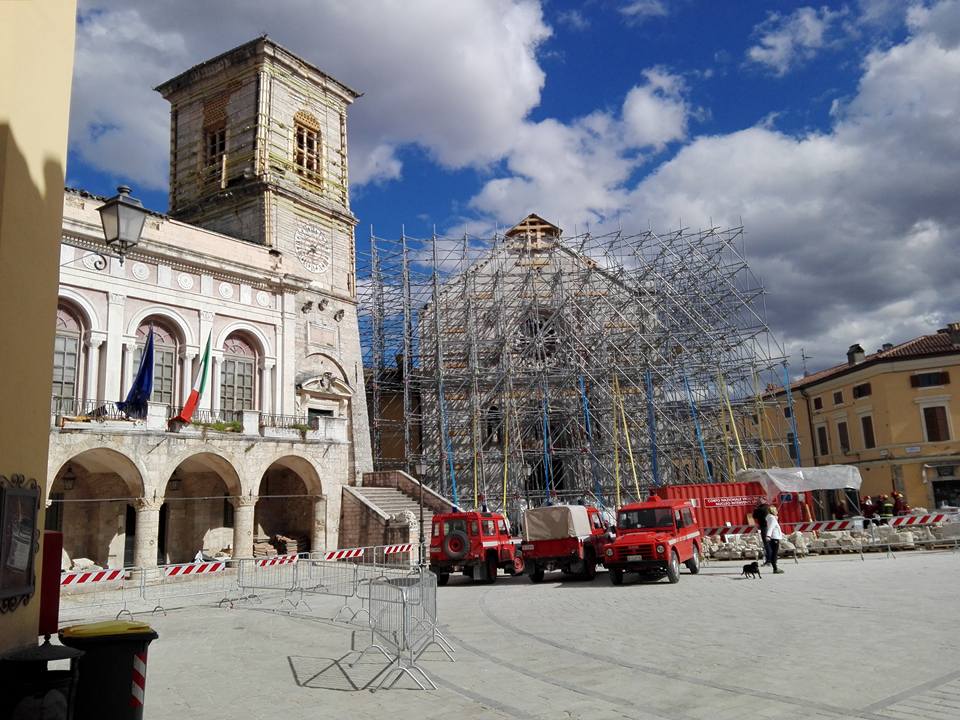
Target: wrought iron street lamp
x,y
122,217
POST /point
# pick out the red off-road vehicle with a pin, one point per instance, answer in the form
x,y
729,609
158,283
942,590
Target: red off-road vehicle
x,y
478,543
570,538
653,538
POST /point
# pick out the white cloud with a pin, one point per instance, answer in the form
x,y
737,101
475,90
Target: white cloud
x,y
656,113
788,40
456,78
640,10
574,19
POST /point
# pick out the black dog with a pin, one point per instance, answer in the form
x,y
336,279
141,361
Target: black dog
x,y
751,569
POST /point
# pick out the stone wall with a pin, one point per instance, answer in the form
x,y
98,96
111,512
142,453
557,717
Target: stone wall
x,y
363,524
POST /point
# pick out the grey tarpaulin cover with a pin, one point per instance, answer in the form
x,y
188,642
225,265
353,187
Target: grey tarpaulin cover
x,y
552,522
803,479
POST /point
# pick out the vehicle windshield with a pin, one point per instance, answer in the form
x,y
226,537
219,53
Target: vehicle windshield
x,y
646,518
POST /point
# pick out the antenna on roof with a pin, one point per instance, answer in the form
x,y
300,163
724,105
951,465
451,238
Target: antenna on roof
x,y
803,361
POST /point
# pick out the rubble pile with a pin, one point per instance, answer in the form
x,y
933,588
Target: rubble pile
x,y
263,548
797,544
291,545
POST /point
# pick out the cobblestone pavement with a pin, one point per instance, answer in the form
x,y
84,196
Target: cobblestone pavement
x,y
832,638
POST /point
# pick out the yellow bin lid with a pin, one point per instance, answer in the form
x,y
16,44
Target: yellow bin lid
x,y
106,629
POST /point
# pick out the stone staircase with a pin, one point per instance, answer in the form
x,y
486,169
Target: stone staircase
x,y
393,501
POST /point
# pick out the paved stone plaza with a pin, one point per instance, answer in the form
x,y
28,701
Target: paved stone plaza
x,y
833,637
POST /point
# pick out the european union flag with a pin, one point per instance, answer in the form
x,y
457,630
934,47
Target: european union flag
x,y
135,406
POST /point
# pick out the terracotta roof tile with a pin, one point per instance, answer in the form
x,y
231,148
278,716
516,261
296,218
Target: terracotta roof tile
x,y
935,344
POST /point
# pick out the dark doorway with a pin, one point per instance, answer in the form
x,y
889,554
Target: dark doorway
x,y
130,536
314,415
162,534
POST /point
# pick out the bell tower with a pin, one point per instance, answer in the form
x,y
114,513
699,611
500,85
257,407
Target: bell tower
x,y
258,151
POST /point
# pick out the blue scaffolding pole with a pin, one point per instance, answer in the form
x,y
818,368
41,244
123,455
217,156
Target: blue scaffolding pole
x,y
793,419
448,445
597,490
696,427
652,429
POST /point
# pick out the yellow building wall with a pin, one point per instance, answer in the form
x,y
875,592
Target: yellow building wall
x,y
36,57
901,450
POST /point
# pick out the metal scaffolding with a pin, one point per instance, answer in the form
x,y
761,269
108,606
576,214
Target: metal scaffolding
x,y
532,367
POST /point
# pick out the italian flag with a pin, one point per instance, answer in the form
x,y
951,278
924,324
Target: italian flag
x,y
199,385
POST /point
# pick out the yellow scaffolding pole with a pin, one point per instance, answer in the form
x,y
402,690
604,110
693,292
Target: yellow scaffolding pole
x,y
616,447
733,420
626,434
506,452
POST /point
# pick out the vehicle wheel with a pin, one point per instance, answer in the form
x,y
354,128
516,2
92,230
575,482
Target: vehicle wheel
x,y
693,564
492,568
518,565
616,576
537,575
456,545
673,567
589,567
443,579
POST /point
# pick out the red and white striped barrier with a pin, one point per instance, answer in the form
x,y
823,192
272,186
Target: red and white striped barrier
x,y
194,569
731,530
912,520
343,554
278,560
90,577
139,685
821,526
393,549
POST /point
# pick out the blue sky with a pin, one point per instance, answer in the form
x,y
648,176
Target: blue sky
x,y
829,129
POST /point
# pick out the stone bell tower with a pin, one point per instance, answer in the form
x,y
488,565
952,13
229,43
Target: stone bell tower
x,y
258,151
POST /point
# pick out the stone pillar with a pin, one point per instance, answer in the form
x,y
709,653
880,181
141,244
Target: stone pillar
x,y
92,390
114,360
318,531
216,361
266,386
148,530
129,348
187,354
243,507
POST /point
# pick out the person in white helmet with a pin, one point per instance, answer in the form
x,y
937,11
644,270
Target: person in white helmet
x,y
774,536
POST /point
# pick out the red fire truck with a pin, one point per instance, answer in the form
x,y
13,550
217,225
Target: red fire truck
x,y
562,537
653,538
476,543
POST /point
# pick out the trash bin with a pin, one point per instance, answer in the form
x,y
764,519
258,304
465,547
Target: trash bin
x,y
113,669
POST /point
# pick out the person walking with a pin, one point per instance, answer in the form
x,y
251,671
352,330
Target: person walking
x,y
760,520
774,536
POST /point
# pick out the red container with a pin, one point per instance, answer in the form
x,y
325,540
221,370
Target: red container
x,y
721,503
50,582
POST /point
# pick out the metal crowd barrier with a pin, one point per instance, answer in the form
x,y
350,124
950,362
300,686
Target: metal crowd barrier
x,y
162,585
108,592
403,624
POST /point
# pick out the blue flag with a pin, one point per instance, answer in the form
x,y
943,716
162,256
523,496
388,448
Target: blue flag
x,y
135,405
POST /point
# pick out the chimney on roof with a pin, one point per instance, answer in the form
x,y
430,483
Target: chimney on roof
x,y
954,329
855,354
886,346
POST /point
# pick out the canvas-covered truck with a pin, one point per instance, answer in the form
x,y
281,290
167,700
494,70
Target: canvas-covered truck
x,y
569,538
653,538
477,543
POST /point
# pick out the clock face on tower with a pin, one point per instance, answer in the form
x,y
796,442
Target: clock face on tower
x,y
313,247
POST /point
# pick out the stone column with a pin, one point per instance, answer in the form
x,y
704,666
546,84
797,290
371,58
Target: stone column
x,y
266,386
129,348
92,391
243,507
318,532
216,361
114,359
148,530
187,354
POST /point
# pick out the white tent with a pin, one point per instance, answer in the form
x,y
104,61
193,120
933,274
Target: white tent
x,y
803,479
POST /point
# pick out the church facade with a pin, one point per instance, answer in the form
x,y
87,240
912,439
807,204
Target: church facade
x,y
255,256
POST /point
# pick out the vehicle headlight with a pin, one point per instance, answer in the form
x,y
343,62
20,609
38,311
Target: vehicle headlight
x,y
659,549
609,552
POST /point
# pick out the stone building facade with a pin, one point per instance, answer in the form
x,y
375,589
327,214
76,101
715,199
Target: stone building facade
x,y
256,254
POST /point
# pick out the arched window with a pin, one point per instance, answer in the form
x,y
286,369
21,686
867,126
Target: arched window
x,y
166,353
238,373
66,359
307,146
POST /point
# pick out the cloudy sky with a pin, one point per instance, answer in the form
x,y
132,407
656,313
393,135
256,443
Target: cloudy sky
x,y
830,131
